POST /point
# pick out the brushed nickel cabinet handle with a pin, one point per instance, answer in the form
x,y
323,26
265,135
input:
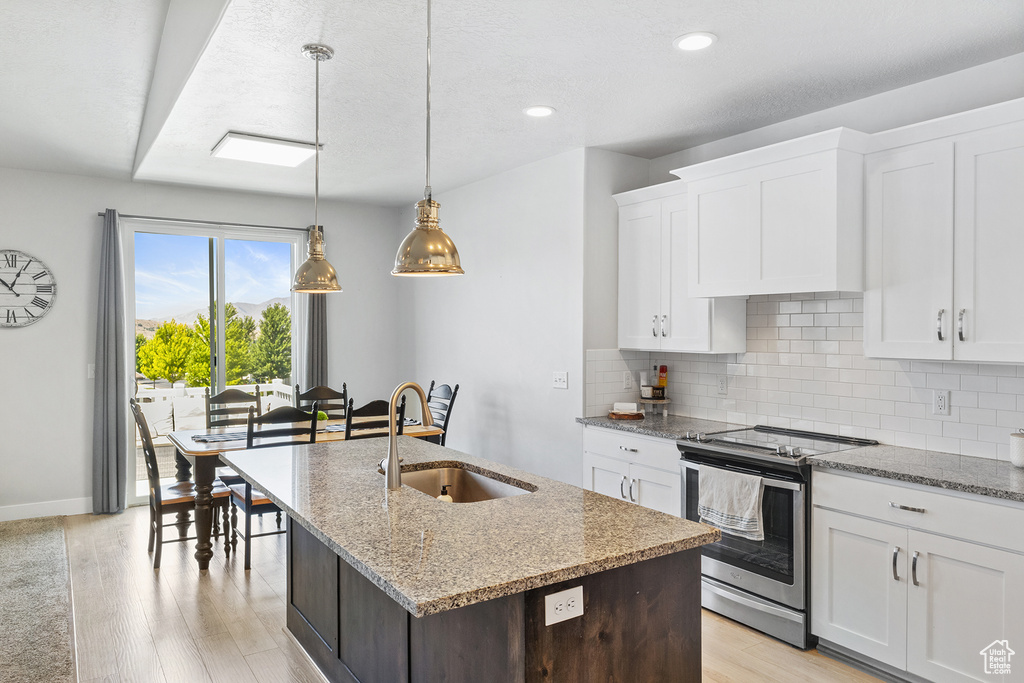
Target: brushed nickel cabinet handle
x,y
938,324
895,555
905,507
627,449
960,324
663,325
632,482
622,491
913,568
654,326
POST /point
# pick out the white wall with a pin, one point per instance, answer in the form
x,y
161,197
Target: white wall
x,y
513,318
979,86
46,444
607,173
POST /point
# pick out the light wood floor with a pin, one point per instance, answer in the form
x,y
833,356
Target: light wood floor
x,y
136,624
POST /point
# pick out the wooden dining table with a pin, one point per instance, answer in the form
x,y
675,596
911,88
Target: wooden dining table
x,y
205,456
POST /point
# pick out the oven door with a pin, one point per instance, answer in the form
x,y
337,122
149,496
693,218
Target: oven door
x,y
773,568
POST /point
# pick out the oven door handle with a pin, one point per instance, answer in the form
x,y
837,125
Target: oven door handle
x,y
766,481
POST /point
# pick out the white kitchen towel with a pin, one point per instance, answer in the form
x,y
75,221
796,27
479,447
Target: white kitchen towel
x,y
731,501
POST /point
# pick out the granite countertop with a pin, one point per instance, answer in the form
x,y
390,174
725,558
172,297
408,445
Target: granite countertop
x,y
431,556
982,476
668,427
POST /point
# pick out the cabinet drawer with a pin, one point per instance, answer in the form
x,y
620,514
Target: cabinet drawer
x,y
991,523
646,450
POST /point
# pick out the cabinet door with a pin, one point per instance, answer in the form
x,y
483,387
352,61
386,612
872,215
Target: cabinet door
x,y
722,240
687,319
640,275
909,243
989,269
606,475
656,489
965,598
859,585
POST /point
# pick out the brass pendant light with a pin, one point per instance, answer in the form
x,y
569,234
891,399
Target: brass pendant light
x,y
316,275
427,250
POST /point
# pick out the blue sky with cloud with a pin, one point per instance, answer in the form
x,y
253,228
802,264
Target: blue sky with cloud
x,y
172,273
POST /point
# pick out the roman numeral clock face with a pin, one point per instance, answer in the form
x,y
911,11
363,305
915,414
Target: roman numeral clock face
x,y
27,289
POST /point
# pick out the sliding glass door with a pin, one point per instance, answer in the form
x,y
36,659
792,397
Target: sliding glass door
x,y
213,309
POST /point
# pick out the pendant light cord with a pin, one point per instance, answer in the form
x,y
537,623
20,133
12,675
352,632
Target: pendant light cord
x,y
316,181
427,194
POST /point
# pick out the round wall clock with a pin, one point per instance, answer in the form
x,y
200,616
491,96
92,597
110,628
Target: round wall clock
x,y
27,288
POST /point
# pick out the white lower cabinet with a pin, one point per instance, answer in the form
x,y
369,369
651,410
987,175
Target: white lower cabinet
x,y
914,599
641,470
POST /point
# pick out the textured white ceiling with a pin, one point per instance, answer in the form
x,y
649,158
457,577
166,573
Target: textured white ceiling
x,y
607,66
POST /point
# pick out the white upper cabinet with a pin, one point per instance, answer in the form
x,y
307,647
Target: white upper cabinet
x,y
656,311
909,245
944,240
780,219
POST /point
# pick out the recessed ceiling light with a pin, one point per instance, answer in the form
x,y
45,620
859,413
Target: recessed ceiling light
x,y
263,150
539,110
695,41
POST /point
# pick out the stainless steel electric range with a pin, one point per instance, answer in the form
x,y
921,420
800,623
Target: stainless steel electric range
x,y
764,584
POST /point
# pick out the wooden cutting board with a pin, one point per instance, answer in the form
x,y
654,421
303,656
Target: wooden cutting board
x,y
625,416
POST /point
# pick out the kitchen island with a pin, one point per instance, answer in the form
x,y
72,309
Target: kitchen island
x,y
399,586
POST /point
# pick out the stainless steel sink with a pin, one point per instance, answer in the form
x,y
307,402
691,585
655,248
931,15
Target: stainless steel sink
x,y
464,486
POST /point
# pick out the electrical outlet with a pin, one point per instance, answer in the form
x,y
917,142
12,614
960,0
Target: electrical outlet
x,y
940,402
723,385
567,604
560,380
627,379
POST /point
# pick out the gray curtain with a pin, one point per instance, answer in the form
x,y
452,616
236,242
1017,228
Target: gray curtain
x,y
316,342
110,417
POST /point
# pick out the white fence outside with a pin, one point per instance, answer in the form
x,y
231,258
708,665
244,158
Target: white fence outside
x,y
181,407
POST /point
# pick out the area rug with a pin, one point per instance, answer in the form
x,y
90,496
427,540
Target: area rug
x,y
35,616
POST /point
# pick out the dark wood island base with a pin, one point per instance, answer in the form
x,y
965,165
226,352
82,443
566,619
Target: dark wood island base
x,y
641,622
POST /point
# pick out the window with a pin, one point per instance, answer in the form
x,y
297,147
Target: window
x,y
213,309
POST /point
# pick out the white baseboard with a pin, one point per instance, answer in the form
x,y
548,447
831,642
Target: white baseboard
x,y
49,508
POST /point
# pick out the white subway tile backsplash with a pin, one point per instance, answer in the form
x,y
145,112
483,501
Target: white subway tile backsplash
x,y
805,369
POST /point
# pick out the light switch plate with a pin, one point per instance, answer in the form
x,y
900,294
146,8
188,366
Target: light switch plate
x,y
567,604
560,380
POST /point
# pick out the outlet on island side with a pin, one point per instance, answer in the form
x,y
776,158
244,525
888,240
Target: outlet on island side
x,y
567,604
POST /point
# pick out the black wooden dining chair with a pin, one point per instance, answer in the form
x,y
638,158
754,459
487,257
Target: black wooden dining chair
x,y
329,401
230,408
440,401
166,499
376,417
280,426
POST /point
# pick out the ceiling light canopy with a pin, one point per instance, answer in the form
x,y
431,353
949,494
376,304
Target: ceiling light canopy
x,y
316,275
262,150
539,110
427,250
695,41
